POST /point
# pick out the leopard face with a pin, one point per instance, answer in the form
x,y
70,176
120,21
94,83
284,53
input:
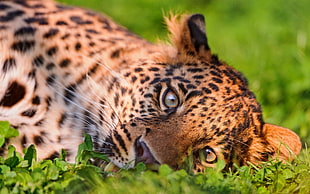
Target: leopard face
x,y
191,105
67,71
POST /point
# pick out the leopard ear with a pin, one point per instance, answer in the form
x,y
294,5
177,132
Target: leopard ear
x,y
189,34
284,141
197,28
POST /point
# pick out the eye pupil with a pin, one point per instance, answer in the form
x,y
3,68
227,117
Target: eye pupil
x,y
207,153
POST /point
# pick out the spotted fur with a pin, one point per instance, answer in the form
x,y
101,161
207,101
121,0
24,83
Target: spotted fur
x,y
66,71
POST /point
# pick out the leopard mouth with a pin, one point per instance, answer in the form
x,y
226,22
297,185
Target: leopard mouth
x,y
143,154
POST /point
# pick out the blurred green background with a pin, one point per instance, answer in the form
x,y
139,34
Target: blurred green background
x,y
267,40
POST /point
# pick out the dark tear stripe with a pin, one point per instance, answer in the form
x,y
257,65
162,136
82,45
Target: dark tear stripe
x,y
14,93
126,130
8,64
113,146
120,141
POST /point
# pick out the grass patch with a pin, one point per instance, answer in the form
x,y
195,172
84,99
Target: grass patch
x,y
28,175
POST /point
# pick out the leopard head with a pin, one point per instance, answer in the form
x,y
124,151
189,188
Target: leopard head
x,y
185,103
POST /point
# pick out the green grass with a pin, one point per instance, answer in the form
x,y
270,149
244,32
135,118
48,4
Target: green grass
x,y
266,40
27,175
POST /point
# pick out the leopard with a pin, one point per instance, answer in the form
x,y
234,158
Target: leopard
x,y
67,71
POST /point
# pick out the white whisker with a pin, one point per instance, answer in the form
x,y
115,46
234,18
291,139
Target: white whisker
x,y
92,83
101,61
72,102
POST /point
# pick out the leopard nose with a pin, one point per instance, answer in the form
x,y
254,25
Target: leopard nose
x,y
143,153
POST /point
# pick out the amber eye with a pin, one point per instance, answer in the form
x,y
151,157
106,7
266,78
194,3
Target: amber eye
x,y
170,99
208,155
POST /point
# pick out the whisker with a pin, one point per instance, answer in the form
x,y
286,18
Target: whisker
x,y
84,121
72,102
91,85
101,61
232,141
